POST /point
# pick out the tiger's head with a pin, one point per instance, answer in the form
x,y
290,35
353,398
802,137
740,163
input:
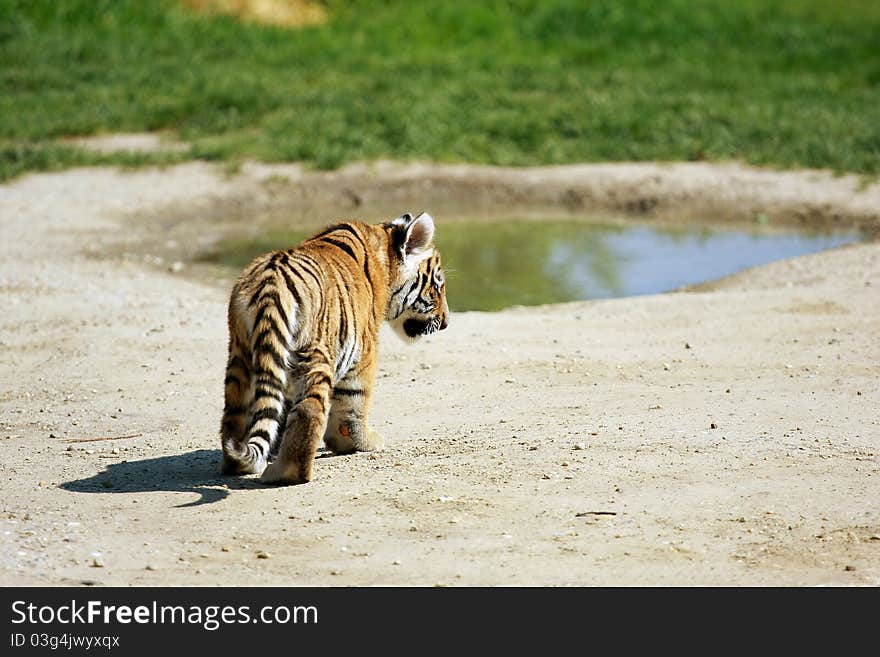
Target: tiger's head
x,y
417,304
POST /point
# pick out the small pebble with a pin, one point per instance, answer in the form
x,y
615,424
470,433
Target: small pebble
x,y
97,562
263,555
849,569
579,446
713,426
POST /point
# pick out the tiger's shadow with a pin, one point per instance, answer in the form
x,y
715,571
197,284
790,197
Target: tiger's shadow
x,y
192,472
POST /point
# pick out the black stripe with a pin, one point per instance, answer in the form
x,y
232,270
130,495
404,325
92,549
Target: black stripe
x,y
397,291
279,361
268,380
256,295
291,286
349,228
234,410
326,231
236,361
315,395
342,245
272,329
259,433
260,394
368,275
311,273
343,322
321,378
277,305
347,392
263,414
260,313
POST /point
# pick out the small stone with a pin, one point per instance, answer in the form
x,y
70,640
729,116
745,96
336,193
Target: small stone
x,y
564,464
396,562
149,566
666,366
687,345
713,426
655,407
263,555
849,569
545,476
97,562
335,572
579,446
509,380
224,549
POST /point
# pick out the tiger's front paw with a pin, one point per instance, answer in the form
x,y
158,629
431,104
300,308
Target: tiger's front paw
x,y
285,473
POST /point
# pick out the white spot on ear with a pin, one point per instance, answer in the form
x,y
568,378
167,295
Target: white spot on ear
x,y
403,220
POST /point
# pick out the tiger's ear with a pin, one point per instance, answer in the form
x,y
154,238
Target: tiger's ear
x,y
412,236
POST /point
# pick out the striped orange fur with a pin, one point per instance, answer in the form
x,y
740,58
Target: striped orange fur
x,y
303,341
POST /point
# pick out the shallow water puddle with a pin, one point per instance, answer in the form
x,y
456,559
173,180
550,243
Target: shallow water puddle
x,y
491,266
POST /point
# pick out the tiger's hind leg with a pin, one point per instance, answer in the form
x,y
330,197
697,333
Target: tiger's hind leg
x,y
347,429
307,424
238,394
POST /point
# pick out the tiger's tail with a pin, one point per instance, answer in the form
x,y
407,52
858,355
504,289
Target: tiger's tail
x,y
270,344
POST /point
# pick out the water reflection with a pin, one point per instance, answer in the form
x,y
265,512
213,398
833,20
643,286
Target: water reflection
x,y
491,266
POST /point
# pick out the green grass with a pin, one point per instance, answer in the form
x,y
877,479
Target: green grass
x,y
519,82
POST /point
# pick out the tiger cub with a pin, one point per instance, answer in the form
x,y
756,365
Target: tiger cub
x,y
303,341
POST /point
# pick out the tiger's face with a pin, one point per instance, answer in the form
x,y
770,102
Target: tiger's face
x,y
417,305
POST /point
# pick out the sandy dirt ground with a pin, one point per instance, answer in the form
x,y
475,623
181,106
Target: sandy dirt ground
x,y
727,435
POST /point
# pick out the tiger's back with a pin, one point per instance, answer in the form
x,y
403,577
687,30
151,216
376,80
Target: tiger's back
x,y
303,341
